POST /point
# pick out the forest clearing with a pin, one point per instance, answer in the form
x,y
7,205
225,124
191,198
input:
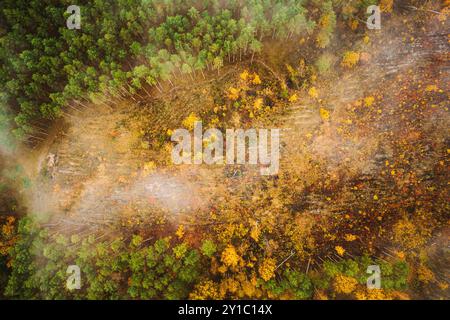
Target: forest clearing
x,y
88,179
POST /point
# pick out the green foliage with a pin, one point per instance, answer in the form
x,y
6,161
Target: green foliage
x,y
45,65
7,141
327,24
208,248
109,270
394,274
324,63
293,283
20,282
158,272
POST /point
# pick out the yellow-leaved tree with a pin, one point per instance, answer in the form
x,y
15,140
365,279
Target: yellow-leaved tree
x,y
344,284
230,258
350,59
267,269
205,290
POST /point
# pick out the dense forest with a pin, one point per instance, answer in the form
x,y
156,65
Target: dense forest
x,y
86,117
